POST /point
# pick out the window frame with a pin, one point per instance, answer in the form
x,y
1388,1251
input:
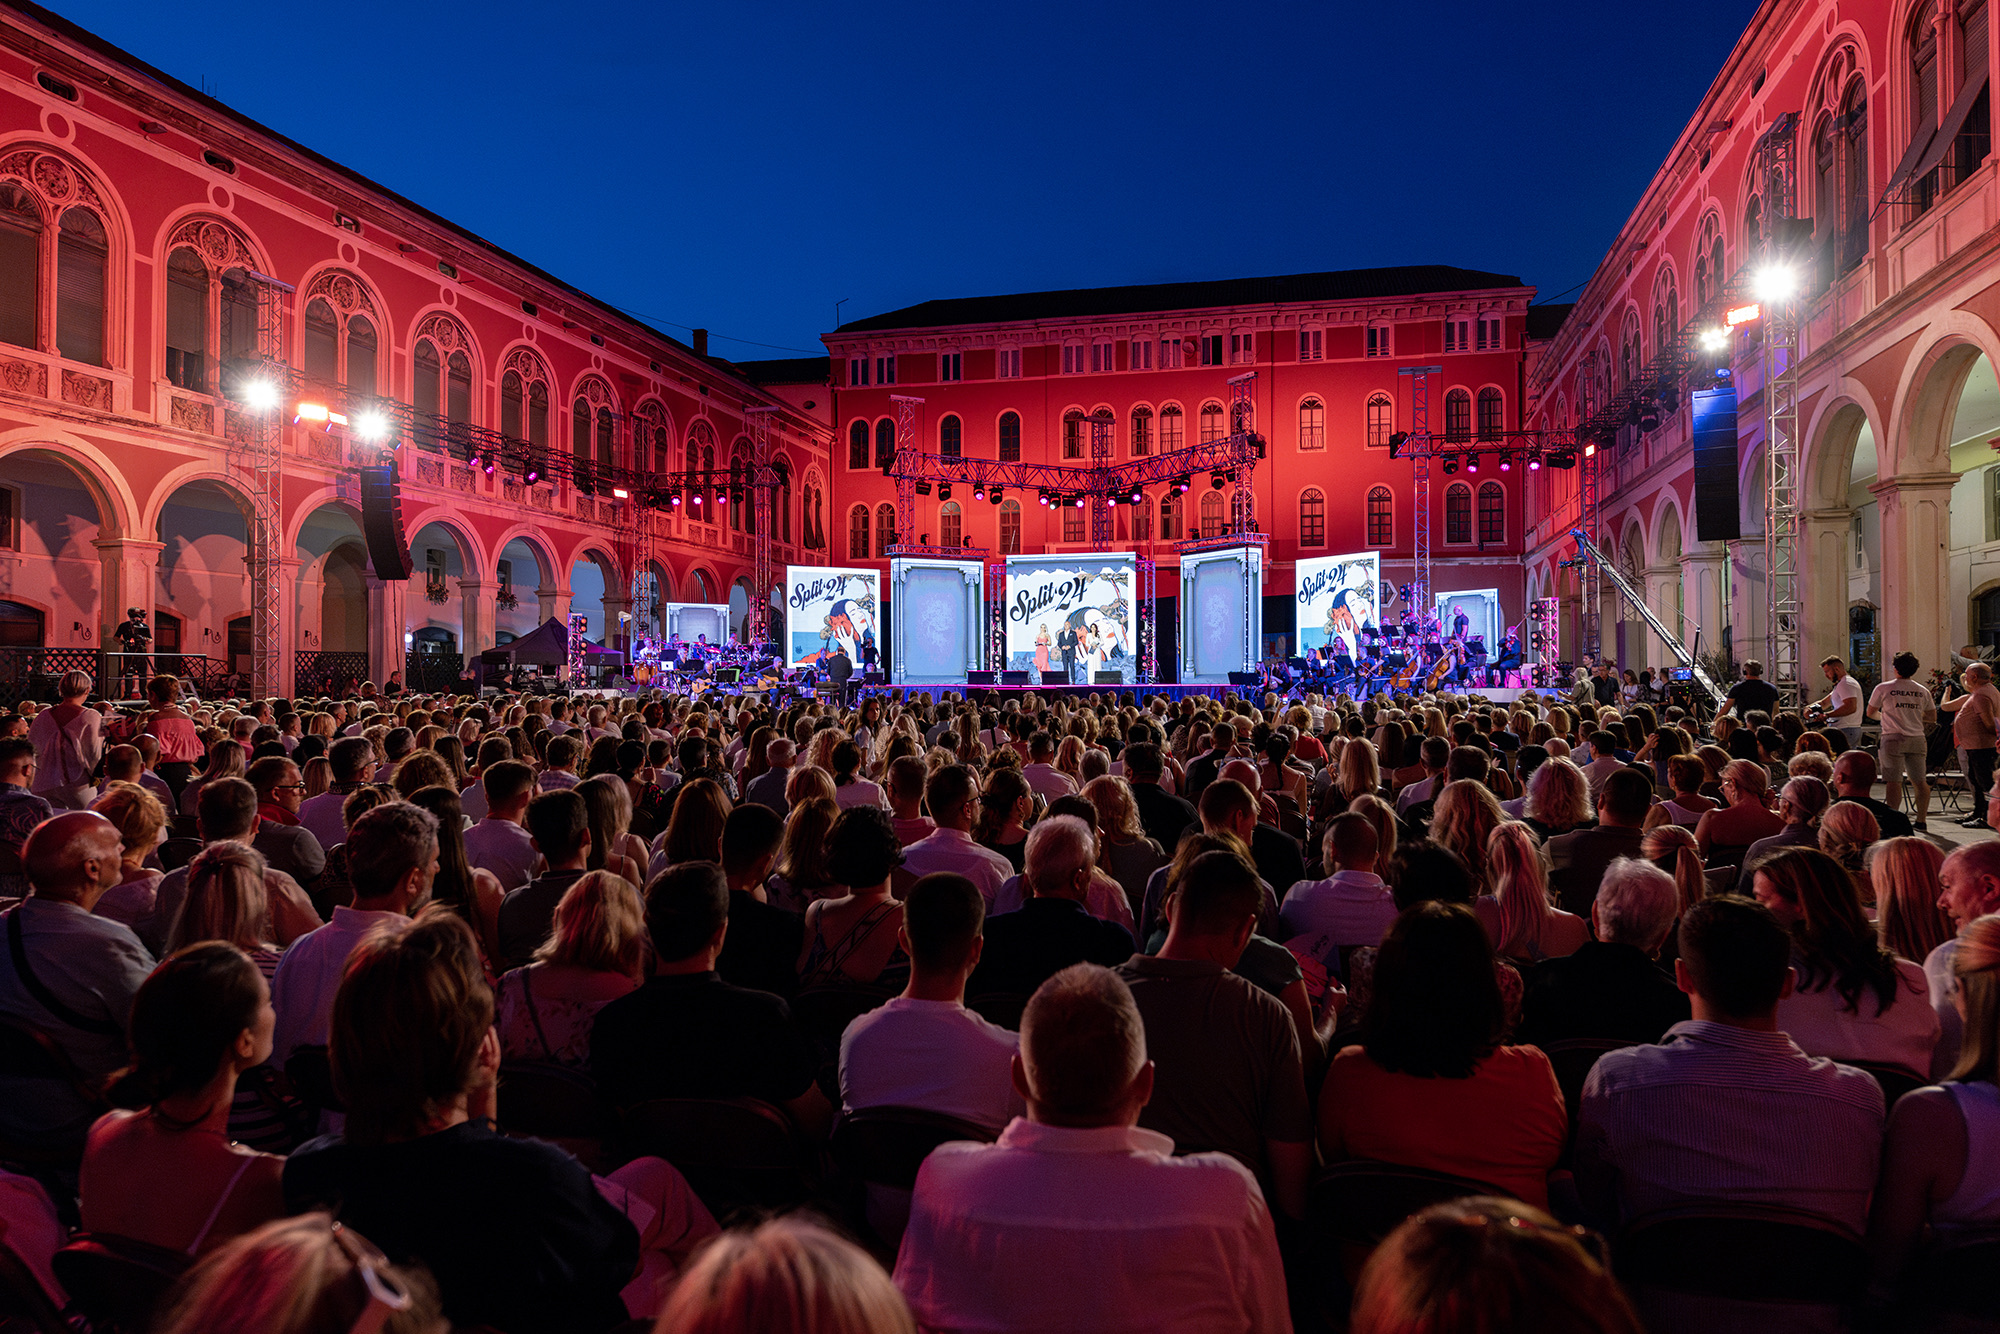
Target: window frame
x,y
1312,424
1312,517
1458,514
1379,508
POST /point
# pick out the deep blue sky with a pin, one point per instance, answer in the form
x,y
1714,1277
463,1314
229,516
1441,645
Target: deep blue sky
x,y
743,166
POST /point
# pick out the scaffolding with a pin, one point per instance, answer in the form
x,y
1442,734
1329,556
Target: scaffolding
x,y
1590,623
1420,481
1777,157
264,386
763,482
1545,640
1589,552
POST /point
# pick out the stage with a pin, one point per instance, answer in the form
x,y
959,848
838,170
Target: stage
x,y
1496,694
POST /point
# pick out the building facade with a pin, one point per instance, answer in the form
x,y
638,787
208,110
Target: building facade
x,y
1896,258
151,241
1019,379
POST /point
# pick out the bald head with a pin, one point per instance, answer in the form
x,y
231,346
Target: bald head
x,y
1244,772
73,857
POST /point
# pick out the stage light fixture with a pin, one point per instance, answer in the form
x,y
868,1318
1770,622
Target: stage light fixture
x,y
1396,442
995,494
695,497
944,490
1472,462
1775,282
260,395
979,491
534,474
1450,464
673,500
1506,463
1182,483
1649,416
1082,500
620,493
1138,496
923,488
1534,461
373,426
1590,449
1215,481
488,464
1045,498
1714,340
721,495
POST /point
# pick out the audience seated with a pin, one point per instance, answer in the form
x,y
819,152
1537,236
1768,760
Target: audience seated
x,y
1431,1063
1124,851
765,941
226,811
142,827
559,824
1611,988
1577,859
1726,1108
688,1034
67,973
787,1273
1726,835
169,1174
1530,927
282,837
1968,889
1052,930
595,953
1351,906
1164,816
350,759
853,940
1077,1219
500,844
1229,1075
304,1275
952,793
1801,802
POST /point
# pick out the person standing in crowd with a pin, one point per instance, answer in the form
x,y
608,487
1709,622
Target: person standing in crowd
x,y
1975,717
1842,704
1753,694
69,742
1907,712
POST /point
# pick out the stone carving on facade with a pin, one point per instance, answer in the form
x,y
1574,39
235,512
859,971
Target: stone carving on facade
x,y
57,182
25,377
430,472
192,414
344,292
445,332
87,391
215,242
595,392
525,364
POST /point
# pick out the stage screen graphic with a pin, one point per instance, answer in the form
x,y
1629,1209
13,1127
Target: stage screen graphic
x,y
828,607
1337,597
1072,615
938,628
1221,594
1481,609
691,619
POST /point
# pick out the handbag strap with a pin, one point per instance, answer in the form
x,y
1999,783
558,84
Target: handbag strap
x,y
48,999
535,1015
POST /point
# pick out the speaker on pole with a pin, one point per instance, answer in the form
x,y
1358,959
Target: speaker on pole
x,y
1717,509
382,523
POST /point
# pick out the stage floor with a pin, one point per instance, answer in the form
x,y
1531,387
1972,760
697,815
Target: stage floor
x,y
1497,694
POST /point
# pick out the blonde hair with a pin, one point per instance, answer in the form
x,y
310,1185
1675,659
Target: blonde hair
x,y
1904,874
599,925
802,858
295,1276
1688,873
138,815
1846,831
225,899
1117,813
808,781
1358,772
1558,794
1382,815
1751,778
1520,883
1463,820
791,1274
1977,966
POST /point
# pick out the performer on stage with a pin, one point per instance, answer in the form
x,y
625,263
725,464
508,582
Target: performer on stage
x,y
1460,622
1343,661
1041,652
869,657
1066,645
839,670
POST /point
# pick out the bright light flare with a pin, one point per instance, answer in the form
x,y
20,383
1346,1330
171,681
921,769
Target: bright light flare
x,y
1775,282
372,426
1714,340
260,395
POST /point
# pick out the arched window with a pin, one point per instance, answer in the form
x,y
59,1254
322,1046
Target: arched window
x,y
1381,517
1381,419
1666,310
1312,518
951,525
885,442
1708,273
857,444
950,441
1142,520
1172,430
1211,515
579,442
1312,424
81,251
781,502
1010,527
1458,513
513,398
187,314
1492,514
329,335
1923,89
704,587
885,529
458,389
1852,131
1072,434
362,347
1212,418
1170,515
1492,413
1010,437
1458,415
1142,429
427,382
742,512
21,265
857,533
1974,138
1631,359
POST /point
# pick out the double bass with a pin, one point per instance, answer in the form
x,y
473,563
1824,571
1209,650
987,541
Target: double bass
x,y
1447,663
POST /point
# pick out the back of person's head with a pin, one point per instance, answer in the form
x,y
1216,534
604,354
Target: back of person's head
x,y
1467,762
1905,663
1082,1044
1426,872
1436,752
1225,801
1737,955
1558,794
946,790
694,830
1846,830
1059,854
942,916
226,808
399,742
906,779
386,844
559,822
1686,773
564,751
422,769
1603,743
505,781
751,832
301,1275
1976,965
1904,873
1350,840
1625,796
1487,1265
412,1010
138,814
1437,1010
225,898
196,1010
1218,896
599,926
350,757
123,764
267,773
863,848
1807,796
1636,904
787,1273
685,906
1143,761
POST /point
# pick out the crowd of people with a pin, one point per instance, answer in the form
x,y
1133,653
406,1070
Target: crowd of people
x,y
1164,962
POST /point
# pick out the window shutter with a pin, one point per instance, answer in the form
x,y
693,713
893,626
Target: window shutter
x,y
80,256
428,383
1973,46
187,321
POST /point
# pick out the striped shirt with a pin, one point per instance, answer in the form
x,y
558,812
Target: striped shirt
x,y
1721,1113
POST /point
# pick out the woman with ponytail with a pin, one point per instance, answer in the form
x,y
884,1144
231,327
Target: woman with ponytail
x,y
168,1174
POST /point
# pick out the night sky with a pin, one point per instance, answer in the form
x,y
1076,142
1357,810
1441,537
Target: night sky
x,y
745,166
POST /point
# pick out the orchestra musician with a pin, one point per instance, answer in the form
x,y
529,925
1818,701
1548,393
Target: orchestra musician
x,y
1460,622
1343,660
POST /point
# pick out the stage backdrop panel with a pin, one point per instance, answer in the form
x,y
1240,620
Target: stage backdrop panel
x,y
688,619
828,607
1072,615
938,626
1221,597
1482,614
1336,596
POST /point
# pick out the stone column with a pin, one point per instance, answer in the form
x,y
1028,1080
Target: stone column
x,y
1702,574
554,602
478,617
286,571
128,577
388,623
1661,581
617,635
1916,565
1825,554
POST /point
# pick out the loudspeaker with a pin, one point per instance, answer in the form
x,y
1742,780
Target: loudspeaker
x,y
1014,678
1055,679
382,523
980,678
1717,507
1109,678
728,676
1243,678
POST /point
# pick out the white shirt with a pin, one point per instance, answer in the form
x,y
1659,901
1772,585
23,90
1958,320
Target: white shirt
x,y
321,817
1941,978
1844,690
860,792
1905,1035
1095,1229
1903,704
936,1055
953,850
1045,780
1349,907
1104,898
302,988
505,849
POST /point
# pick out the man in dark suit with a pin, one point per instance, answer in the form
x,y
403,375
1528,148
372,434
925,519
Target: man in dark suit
x,y
1164,816
1853,777
1051,930
1611,988
1577,859
839,668
1066,646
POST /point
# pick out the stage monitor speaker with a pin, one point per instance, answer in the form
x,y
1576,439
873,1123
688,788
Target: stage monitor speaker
x,y
1014,678
382,523
1108,679
1243,678
728,676
1055,679
1717,507
872,678
980,678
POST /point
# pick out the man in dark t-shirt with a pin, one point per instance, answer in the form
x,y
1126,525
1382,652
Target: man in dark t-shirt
x,y
1753,694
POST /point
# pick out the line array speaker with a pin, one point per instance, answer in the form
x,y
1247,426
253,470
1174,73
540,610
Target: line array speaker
x,y
1718,510
382,523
